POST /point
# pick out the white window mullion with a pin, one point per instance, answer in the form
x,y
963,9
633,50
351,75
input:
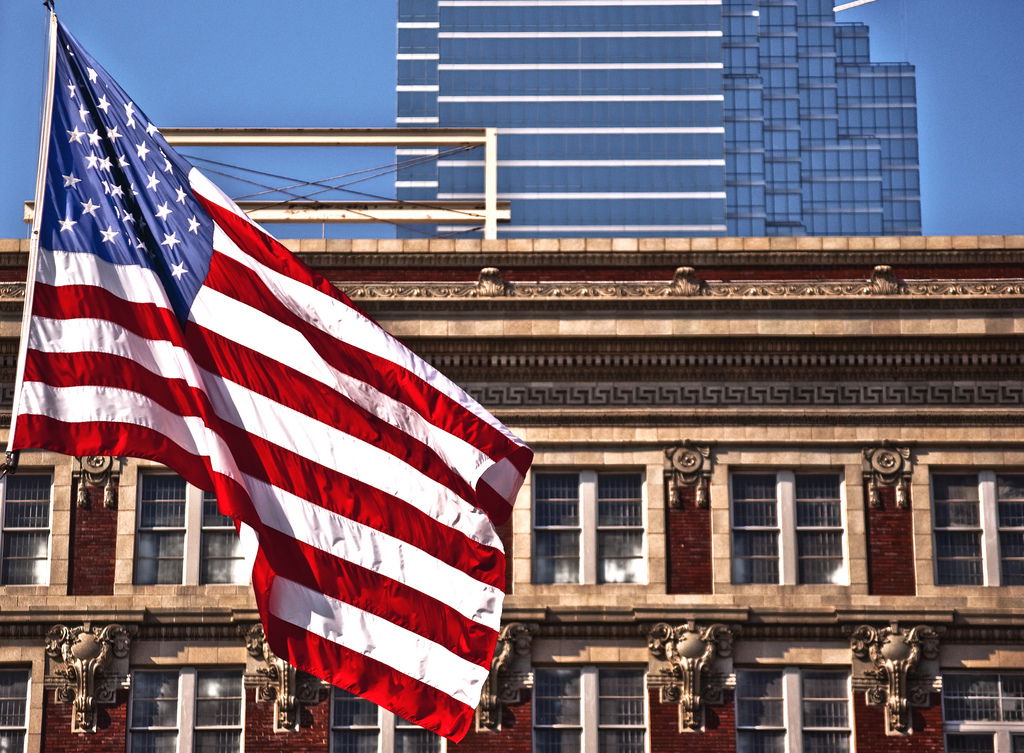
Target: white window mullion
x,y
588,525
186,708
589,709
792,708
193,533
387,731
784,485
989,527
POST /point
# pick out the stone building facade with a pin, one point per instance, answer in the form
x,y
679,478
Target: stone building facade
x,y
777,505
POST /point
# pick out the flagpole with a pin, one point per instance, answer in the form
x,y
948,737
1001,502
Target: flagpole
x,y
33,249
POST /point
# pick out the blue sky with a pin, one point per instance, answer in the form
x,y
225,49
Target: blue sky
x,y
331,63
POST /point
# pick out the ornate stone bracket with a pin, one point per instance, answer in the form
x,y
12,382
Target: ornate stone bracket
x,y
490,283
96,471
884,281
888,465
686,283
509,675
87,669
894,655
690,651
276,680
688,464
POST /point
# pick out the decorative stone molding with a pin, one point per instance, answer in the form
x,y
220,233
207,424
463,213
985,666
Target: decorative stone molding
x,y
91,663
690,651
490,283
688,464
509,676
888,465
96,471
276,680
884,282
686,283
895,655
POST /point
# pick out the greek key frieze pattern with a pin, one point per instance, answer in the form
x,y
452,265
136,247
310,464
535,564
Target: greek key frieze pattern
x,y
683,394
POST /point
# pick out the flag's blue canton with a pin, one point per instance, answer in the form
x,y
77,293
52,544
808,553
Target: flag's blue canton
x,y
114,187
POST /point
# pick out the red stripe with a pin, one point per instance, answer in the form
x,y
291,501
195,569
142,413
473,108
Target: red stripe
x,y
275,465
357,673
382,596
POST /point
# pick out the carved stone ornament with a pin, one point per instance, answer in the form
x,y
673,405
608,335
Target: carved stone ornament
x,y
686,283
508,677
690,651
490,283
883,281
688,464
96,471
276,680
888,465
894,655
87,670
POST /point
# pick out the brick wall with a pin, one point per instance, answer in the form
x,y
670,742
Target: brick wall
x,y
515,736
890,547
111,727
688,558
869,729
93,534
719,734
259,728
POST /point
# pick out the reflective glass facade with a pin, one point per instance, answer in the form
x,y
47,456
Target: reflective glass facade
x,y
662,117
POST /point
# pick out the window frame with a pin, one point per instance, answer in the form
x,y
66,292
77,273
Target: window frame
x,y
1003,733
49,528
193,534
589,554
388,723
24,728
786,524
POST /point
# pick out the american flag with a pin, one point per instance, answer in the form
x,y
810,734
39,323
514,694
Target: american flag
x,y
166,325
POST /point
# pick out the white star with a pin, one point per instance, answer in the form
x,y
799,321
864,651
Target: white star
x,y
75,136
150,129
129,112
105,163
163,210
178,270
116,190
71,88
193,226
113,133
143,150
181,195
152,181
126,216
170,240
106,187
135,191
70,181
139,243
168,167
103,104
67,224
92,74
122,160
83,113
92,159
88,207
109,234
94,137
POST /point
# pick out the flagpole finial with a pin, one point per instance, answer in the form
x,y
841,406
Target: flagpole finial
x,y
49,5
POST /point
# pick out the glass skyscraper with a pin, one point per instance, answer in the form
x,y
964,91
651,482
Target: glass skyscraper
x,y
662,117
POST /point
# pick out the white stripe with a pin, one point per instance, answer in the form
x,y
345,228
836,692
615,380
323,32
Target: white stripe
x,y
608,195
377,551
574,34
365,633
400,150
589,98
576,66
609,130
611,229
162,357
129,282
559,3
342,322
415,184
418,25
587,163
415,120
417,56
417,88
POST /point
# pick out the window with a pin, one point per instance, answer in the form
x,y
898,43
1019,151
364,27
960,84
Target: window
x,y
188,710
792,710
182,537
588,528
359,726
983,713
787,528
25,530
589,710
979,528
13,709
